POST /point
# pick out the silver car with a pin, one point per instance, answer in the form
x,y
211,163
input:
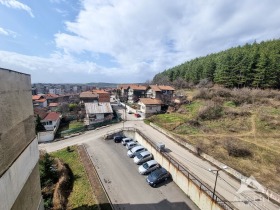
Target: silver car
x,y
131,144
131,153
148,167
126,140
142,157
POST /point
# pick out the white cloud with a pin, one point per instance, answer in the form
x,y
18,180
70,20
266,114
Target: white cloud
x,y
4,32
146,37
7,32
17,5
150,36
60,68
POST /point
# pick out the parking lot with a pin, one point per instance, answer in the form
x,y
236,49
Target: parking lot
x,y
128,189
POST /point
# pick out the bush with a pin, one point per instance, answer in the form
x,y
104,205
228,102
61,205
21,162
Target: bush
x,y
203,93
235,150
210,111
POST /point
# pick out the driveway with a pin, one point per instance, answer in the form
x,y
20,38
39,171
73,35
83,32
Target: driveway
x,y
128,189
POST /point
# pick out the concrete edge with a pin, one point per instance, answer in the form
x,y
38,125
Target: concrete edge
x,y
101,184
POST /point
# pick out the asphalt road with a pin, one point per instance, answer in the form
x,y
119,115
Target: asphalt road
x,y
226,185
128,189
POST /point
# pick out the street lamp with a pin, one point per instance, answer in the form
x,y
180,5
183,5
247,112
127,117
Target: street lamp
x,y
217,174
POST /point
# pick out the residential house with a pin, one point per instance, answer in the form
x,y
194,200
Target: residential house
x,y
149,106
98,112
52,98
51,121
163,92
39,101
88,97
53,106
103,96
135,92
122,92
42,112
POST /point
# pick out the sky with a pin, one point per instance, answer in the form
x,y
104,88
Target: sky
x,y
124,41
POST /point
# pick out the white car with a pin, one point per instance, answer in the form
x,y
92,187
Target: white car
x,y
148,167
126,140
131,153
131,144
142,157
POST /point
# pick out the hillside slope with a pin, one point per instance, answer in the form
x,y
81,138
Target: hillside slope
x,y
240,128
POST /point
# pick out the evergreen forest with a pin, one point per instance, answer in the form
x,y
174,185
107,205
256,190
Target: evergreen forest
x,y
255,65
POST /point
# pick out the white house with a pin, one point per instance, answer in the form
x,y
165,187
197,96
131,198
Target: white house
x,y
98,112
149,106
51,121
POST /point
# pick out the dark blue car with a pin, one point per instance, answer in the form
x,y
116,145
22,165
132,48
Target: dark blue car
x,y
157,176
118,139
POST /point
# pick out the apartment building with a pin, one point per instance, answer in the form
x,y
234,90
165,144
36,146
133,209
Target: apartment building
x,y
19,154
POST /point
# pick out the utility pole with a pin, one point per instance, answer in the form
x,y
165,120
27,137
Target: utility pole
x,y
217,174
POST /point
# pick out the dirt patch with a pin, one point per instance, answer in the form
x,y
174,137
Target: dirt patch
x,y
63,187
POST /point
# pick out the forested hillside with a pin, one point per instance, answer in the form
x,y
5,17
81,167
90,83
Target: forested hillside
x,y
252,65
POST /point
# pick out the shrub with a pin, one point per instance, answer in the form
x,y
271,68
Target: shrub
x,y
211,111
236,150
203,93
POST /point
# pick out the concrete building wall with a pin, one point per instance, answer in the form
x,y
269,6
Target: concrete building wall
x,y
18,150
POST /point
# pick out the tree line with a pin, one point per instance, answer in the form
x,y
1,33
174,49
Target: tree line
x,y
254,65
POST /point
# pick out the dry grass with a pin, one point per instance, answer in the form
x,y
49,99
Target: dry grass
x,y
250,119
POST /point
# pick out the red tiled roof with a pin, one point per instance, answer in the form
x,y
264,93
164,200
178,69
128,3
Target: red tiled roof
x,y
123,86
52,116
165,87
150,101
41,112
155,87
41,100
161,87
138,87
53,104
48,96
36,97
88,94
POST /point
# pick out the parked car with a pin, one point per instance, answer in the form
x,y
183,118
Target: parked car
x,y
148,167
142,157
132,152
157,176
137,115
118,138
131,144
126,140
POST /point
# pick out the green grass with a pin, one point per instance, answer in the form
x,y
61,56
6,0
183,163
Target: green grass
x,y
81,195
75,124
193,108
229,104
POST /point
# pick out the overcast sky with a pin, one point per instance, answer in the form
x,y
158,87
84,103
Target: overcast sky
x,y
124,41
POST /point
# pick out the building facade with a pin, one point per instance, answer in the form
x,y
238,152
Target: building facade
x,y
19,154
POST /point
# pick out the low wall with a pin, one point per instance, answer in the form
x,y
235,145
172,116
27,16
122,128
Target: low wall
x,y
199,193
236,174
45,136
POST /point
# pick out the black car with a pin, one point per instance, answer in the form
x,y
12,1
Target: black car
x,y
118,139
157,176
